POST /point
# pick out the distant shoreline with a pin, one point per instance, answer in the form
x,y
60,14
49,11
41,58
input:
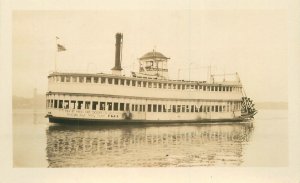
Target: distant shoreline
x,y
272,105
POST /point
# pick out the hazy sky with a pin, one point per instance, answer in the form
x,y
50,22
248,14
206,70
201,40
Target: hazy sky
x,y
250,42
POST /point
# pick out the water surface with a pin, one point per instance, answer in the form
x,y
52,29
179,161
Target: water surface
x,y
38,143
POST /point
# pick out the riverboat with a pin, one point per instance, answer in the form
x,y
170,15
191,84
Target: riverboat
x,y
147,96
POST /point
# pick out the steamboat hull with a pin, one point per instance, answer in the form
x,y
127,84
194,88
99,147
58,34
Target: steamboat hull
x,y
83,121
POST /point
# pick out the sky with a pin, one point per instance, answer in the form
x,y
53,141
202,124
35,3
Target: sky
x,y
250,42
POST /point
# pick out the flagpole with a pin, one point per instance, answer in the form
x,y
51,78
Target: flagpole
x,y
55,67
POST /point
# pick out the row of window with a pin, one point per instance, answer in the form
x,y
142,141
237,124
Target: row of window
x,y
116,106
146,84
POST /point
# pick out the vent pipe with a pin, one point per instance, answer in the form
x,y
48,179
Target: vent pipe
x,y
118,55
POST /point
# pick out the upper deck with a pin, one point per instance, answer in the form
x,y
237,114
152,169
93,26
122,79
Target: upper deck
x,y
142,87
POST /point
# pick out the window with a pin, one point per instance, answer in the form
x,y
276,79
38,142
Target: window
x,y
212,88
116,81
128,82
183,108
165,85
102,106
127,107
227,88
187,87
174,108
200,109
73,104
212,108
96,79
79,104
183,87
192,87
87,105
81,79
55,104
68,78
196,109
144,108
154,107
187,108
196,87
132,107
204,88
109,80
217,109
149,107
208,88
122,107
178,86
133,83
48,103
220,88
139,84
159,108
223,88
154,85
74,79
144,83
204,108
109,106
122,81
220,108
164,108
207,108
94,105
159,85
62,79
230,88
116,106
169,86
136,107
150,85
178,108
60,104
103,80
51,103
66,104
88,79
141,108
170,108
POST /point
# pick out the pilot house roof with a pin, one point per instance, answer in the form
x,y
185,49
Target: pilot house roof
x,y
153,55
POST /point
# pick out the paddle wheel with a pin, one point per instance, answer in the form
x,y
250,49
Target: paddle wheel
x,y
248,110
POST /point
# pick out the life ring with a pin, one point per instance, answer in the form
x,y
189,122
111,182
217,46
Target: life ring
x,y
127,115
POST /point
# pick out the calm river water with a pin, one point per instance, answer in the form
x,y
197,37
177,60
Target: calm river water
x,y
263,142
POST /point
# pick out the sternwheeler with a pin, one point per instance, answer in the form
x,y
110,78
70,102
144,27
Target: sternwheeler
x,y
147,96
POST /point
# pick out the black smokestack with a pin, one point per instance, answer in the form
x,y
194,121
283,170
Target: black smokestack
x,y
118,55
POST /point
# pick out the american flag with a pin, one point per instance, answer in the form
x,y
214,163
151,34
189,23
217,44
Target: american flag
x,y
60,48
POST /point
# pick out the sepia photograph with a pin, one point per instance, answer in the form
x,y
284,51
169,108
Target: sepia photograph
x,y
152,89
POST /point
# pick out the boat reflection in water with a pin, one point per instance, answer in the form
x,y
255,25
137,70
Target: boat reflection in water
x,y
147,145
